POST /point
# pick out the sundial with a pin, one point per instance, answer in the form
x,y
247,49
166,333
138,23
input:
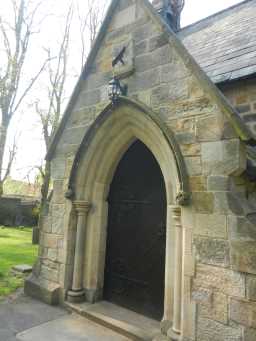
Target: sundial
x,y
123,59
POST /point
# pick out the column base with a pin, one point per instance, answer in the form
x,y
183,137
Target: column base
x,y
165,325
173,336
76,296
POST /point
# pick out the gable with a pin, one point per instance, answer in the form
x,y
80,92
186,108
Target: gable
x,y
158,71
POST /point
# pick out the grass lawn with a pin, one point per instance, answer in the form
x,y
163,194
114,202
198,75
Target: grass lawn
x,y
15,249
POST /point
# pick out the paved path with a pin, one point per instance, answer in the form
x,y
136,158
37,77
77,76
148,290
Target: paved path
x,y
25,319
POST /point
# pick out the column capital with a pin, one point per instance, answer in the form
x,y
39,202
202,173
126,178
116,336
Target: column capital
x,y
81,206
176,210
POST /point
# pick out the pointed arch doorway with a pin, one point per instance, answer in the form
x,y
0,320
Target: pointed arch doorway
x,y
110,139
136,234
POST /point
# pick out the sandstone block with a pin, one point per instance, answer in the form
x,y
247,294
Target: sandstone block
x,y
58,168
228,203
203,202
251,288
212,251
194,166
241,229
49,274
209,330
193,149
250,334
197,183
243,312
42,290
225,157
223,280
209,128
58,212
50,240
216,310
211,225
243,256
218,183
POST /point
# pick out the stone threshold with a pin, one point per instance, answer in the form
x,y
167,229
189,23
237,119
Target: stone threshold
x,y
121,320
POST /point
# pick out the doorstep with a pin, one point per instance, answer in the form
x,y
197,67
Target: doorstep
x,y
121,320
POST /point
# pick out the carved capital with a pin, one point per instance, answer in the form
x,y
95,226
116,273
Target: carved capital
x,y
183,198
176,215
81,207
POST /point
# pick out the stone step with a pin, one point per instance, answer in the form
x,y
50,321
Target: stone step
x,y
123,321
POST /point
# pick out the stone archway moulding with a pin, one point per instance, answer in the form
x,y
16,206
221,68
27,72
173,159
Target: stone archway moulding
x,y
115,129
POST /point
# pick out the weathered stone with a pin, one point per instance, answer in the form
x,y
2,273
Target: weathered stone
x,y
227,203
241,229
23,268
58,197
49,274
148,61
74,135
87,98
124,17
82,117
158,41
209,128
193,149
203,202
251,287
43,290
193,165
58,212
250,334
211,225
144,80
141,48
203,296
243,256
212,251
58,168
187,137
52,254
218,183
197,183
216,310
209,330
223,157
223,280
50,240
243,312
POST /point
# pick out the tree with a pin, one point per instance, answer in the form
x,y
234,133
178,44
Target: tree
x,y
50,116
57,72
15,40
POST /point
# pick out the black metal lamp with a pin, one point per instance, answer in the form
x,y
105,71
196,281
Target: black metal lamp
x,y
116,89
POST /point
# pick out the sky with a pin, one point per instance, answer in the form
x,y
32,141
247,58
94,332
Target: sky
x,y
26,126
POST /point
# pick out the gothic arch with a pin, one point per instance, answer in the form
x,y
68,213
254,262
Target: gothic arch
x,y
115,129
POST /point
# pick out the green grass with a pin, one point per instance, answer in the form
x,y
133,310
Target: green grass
x,y
15,249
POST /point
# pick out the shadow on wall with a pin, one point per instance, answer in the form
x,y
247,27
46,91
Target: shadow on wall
x,y
18,211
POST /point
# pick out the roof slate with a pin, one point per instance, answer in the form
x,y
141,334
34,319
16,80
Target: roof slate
x,y
224,45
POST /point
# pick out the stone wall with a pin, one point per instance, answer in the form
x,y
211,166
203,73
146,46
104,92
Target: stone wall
x,y
16,211
223,236
242,95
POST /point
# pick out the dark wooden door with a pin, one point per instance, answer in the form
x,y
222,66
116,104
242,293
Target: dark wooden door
x,y
135,257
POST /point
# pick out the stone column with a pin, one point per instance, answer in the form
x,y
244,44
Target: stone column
x,y
76,294
177,301
166,323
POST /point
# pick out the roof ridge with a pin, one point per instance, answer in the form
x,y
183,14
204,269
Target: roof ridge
x,y
184,29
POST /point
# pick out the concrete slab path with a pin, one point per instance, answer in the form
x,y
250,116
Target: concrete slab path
x,y
25,319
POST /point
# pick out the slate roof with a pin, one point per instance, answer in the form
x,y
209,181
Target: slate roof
x,y
224,44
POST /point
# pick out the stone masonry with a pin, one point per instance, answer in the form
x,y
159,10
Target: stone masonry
x,y
219,251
